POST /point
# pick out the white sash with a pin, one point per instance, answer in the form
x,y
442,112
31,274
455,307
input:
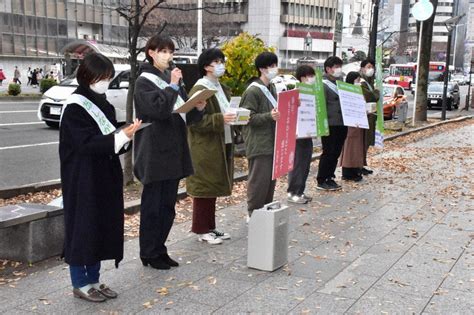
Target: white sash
x,y
332,86
223,104
221,97
159,82
105,126
267,93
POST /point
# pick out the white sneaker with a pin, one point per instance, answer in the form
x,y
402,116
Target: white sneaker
x,y
221,235
209,238
307,197
297,199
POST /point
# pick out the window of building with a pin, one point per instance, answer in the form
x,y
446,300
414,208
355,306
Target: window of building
x,y
6,6
7,44
52,49
19,45
18,24
31,46
42,50
52,27
40,7
5,22
51,8
41,26
30,7
18,6
62,28
30,25
61,9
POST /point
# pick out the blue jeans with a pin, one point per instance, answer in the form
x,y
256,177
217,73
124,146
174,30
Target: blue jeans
x,y
84,275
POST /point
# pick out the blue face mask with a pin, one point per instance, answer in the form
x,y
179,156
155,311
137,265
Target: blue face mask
x,y
219,70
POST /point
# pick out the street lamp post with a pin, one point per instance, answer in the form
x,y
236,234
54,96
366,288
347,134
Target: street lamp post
x,y
450,25
373,30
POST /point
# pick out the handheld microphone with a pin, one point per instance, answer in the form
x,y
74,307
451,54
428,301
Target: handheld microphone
x,y
172,66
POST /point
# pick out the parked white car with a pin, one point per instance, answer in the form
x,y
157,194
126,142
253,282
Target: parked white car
x,y
282,82
51,104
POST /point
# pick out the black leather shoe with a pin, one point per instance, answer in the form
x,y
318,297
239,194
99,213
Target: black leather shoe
x,y
167,259
365,171
157,263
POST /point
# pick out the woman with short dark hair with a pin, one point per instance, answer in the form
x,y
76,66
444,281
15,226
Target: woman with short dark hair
x,y
162,156
91,178
210,142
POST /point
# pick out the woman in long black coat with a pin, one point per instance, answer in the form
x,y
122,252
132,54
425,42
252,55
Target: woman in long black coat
x,y
91,177
162,155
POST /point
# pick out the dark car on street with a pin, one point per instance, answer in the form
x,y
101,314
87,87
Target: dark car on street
x,y
435,95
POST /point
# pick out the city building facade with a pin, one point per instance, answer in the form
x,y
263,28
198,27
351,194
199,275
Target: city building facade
x,y
33,33
444,11
285,25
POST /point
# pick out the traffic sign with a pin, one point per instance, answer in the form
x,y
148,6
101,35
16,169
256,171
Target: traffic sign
x,y
422,10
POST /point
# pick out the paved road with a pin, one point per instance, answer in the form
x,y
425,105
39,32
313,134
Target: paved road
x,y
29,148
399,242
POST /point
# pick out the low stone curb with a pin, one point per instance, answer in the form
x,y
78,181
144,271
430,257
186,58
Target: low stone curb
x,y
23,190
134,205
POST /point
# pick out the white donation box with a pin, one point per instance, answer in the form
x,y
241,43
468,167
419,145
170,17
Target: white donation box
x,y
268,237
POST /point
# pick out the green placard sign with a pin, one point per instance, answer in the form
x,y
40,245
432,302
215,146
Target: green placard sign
x,y
379,130
318,99
321,109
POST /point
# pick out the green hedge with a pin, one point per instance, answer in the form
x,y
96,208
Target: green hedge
x,y
46,84
14,89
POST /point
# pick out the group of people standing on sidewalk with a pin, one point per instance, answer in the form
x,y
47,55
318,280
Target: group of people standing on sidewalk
x,y
198,146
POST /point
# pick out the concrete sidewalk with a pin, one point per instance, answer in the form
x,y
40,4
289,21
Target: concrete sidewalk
x,y
399,242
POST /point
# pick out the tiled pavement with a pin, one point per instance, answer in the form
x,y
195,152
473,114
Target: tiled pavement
x,y
400,242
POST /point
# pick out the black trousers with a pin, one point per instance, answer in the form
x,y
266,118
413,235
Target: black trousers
x,y
298,176
332,147
157,216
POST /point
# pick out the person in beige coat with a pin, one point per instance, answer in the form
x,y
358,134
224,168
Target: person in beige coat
x,y
352,157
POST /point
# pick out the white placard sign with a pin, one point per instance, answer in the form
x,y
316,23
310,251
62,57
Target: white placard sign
x,y
353,105
306,125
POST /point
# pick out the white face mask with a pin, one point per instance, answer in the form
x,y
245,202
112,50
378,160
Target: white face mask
x,y
310,80
369,73
271,73
219,70
337,73
100,87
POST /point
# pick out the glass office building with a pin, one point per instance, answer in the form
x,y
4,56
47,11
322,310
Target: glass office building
x,y
33,32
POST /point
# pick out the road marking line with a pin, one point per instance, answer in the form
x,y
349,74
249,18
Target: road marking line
x,y
21,124
28,145
17,111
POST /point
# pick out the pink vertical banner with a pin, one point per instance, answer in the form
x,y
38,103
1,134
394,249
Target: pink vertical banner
x,y
285,135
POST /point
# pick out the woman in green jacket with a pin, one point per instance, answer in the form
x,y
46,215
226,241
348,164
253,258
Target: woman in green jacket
x,y
210,143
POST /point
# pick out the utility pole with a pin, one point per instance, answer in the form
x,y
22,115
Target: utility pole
x,y
374,28
199,28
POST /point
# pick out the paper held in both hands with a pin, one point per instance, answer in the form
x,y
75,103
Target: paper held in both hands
x,y
197,97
